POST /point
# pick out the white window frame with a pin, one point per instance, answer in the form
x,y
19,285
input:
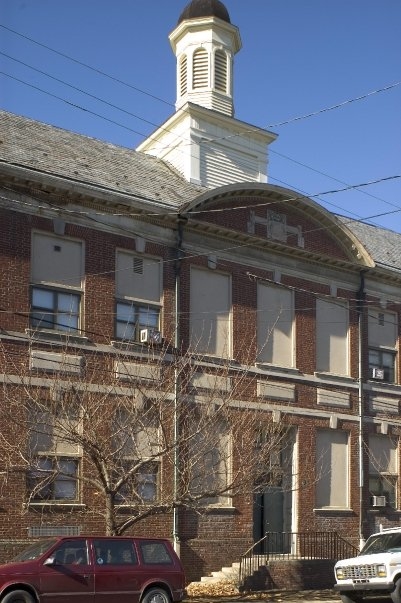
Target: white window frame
x,y
140,312
46,317
383,468
383,340
47,447
200,478
150,468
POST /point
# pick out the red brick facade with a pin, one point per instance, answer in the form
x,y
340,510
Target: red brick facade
x,y
320,262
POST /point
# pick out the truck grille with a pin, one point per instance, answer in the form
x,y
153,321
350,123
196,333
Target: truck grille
x,y
355,572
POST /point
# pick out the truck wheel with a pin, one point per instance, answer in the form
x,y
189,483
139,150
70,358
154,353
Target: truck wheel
x,y
18,596
396,594
155,595
349,598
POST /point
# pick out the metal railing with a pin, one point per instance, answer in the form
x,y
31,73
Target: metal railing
x,y
293,545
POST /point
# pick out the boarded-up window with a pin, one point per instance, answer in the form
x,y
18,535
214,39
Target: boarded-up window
x,y
210,313
55,431
138,277
332,336
275,319
56,260
382,328
332,469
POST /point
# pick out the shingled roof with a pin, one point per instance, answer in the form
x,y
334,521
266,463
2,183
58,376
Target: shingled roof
x,y
55,152
382,244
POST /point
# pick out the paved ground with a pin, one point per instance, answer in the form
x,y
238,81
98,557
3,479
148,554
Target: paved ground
x,y
273,596
303,596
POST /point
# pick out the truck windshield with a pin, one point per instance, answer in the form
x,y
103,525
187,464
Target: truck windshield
x,y
382,543
35,550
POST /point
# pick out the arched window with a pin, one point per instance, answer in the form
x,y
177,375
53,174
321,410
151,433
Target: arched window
x,y
183,75
220,71
200,68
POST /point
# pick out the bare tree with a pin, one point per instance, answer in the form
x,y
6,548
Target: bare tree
x,y
134,437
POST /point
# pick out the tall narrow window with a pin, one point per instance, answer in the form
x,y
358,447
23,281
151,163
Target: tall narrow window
x,y
138,295
210,464
200,69
220,71
136,455
210,320
54,453
382,345
383,468
56,282
332,469
332,336
275,323
183,75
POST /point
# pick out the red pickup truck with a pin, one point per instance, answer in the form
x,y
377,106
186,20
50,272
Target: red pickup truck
x,y
93,569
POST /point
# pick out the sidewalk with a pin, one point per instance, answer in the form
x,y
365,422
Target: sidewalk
x,y
274,596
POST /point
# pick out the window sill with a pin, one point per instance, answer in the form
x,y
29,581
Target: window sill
x,y
277,368
53,505
324,376
130,508
219,509
36,335
331,510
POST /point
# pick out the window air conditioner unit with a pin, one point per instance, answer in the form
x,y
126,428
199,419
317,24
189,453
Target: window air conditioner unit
x,y
150,336
377,373
379,501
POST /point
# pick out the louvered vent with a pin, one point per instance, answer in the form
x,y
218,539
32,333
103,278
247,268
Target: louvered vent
x,y
41,531
183,75
200,65
220,71
138,265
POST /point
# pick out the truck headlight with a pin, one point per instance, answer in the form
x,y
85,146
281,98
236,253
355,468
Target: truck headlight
x,y
339,573
381,571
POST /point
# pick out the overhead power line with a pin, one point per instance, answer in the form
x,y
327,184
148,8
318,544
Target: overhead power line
x,y
119,124
336,106
212,210
96,70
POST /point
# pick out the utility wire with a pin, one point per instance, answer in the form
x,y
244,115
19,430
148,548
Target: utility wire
x,y
152,123
94,69
220,210
308,167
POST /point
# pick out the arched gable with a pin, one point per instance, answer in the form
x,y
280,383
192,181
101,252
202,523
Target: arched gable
x,y
285,218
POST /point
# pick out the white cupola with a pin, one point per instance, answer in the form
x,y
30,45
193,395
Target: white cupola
x,y
202,139
205,43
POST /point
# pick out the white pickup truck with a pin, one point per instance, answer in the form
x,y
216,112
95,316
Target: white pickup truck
x,y
375,571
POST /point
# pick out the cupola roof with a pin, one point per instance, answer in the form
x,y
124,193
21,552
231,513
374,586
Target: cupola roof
x,y
197,9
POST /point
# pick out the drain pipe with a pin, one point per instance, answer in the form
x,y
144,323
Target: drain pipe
x,y
176,418
360,308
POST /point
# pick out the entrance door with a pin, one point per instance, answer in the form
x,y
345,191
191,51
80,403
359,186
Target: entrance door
x,y
273,507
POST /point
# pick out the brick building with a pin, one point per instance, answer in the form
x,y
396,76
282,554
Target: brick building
x,y
115,261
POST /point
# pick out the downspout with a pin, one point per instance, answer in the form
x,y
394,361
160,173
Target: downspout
x,y
360,308
176,485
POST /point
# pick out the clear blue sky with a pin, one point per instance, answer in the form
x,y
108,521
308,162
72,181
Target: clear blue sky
x,y
298,57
